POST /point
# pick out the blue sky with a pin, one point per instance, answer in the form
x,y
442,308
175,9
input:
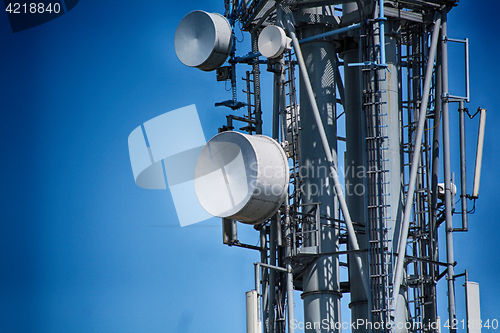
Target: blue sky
x,y
83,249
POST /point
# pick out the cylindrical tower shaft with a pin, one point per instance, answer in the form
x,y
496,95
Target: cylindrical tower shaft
x,y
321,286
354,170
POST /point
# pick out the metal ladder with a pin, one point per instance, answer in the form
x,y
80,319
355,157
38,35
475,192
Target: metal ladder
x,y
378,180
293,129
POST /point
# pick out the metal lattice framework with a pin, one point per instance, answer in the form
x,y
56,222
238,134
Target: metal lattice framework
x,y
393,43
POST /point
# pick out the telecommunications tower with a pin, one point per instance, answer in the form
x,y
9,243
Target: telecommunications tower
x,y
373,201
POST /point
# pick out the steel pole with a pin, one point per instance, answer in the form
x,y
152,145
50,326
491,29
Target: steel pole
x,y
272,273
276,100
463,171
447,177
288,263
264,293
430,310
331,33
381,21
273,232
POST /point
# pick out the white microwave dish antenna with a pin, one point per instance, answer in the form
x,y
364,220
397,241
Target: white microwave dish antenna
x,y
203,40
273,42
241,177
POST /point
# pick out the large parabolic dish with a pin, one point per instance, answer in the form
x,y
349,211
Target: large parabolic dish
x,y
203,40
241,177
